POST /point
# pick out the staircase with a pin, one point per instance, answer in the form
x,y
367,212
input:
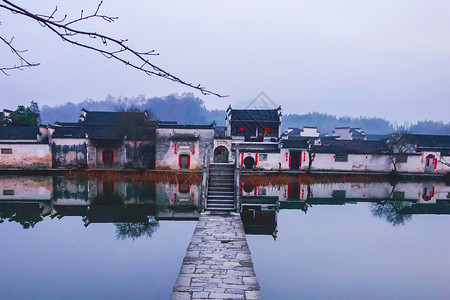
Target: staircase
x,y
220,187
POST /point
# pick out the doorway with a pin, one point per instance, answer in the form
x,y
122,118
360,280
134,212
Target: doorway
x,y
430,164
108,158
249,162
221,155
184,161
296,160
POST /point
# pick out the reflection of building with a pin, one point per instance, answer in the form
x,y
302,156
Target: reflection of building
x,y
177,201
260,219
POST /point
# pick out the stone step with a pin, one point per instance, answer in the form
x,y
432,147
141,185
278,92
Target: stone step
x,y
214,202
221,200
220,208
221,189
220,193
222,175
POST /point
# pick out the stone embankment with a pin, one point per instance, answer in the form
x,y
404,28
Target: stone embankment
x,y
218,264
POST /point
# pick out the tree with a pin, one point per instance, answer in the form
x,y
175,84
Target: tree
x,y
389,211
22,116
136,230
110,47
398,147
311,145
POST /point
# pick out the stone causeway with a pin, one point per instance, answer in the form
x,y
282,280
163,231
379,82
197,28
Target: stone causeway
x,y
218,263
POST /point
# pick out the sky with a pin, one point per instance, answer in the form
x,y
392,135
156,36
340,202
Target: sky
x,y
383,58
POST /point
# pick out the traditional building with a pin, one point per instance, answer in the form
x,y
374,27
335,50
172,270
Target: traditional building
x,y
182,147
105,140
24,147
254,134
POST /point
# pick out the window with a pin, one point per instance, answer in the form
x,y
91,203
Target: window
x,y
6,151
398,195
401,159
339,194
341,157
8,192
262,192
263,157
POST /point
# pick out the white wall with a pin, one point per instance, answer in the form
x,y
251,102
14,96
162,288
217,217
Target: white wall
x,y
26,156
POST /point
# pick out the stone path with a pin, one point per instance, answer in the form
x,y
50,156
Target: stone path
x,y
218,264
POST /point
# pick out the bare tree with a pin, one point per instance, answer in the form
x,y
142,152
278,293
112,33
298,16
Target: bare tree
x,y
110,47
398,147
311,145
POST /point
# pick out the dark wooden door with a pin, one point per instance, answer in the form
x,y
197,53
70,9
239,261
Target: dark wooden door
x,y
108,157
295,160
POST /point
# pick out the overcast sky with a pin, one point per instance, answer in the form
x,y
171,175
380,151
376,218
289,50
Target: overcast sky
x,y
381,58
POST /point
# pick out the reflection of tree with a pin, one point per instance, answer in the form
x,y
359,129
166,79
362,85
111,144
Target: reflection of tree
x,y
136,230
26,220
389,210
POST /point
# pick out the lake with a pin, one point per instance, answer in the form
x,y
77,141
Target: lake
x,y
69,238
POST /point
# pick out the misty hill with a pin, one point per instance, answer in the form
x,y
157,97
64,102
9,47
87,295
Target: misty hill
x,y
188,109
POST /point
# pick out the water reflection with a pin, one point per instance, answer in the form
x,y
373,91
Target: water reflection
x,y
394,202
135,208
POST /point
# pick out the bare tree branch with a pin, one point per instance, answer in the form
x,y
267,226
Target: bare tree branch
x,y
23,62
110,47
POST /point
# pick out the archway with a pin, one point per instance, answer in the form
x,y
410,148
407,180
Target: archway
x,y
430,163
249,162
221,154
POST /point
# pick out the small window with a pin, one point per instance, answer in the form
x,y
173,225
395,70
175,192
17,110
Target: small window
x,y
8,192
401,159
263,157
339,194
262,192
341,157
6,151
398,195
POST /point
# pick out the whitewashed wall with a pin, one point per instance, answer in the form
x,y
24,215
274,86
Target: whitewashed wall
x,y
26,156
166,158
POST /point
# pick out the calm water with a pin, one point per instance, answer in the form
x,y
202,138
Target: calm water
x,y
93,239
77,239
360,244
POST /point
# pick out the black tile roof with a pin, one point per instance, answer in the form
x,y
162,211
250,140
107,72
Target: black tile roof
x,y
125,119
259,147
184,137
104,132
18,133
181,126
265,115
332,145
427,141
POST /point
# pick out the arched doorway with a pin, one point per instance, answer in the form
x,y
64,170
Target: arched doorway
x,y
249,162
430,163
221,154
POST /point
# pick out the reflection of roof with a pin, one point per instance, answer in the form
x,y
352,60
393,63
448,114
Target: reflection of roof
x,y
424,209
18,133
119,213
20,208
265,115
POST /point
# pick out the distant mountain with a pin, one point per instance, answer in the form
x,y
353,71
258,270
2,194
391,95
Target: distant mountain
x,y
188,109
